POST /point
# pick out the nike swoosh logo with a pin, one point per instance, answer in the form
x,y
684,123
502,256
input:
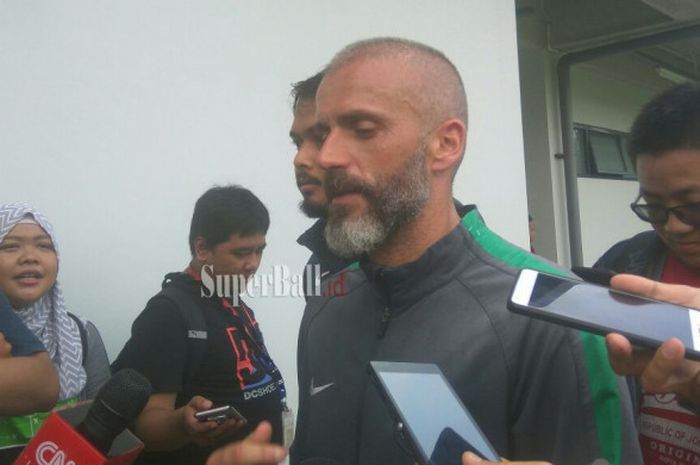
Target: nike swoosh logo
x,y
313,390
325,273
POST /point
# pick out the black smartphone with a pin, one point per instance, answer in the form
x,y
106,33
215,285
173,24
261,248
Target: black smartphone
x,y
598,276
219,414
600,310
440,429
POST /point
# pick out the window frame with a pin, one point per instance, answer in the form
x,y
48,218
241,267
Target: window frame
x,y
588,168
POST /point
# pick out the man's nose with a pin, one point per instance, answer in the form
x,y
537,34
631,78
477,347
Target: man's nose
x,y
333,152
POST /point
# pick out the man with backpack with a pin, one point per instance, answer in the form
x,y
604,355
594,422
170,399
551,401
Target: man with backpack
x,y
201,347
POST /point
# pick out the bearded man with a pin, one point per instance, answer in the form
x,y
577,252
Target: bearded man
x,y
432,284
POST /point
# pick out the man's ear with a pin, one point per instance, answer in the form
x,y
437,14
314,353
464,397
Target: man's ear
x,y
448,142
201,251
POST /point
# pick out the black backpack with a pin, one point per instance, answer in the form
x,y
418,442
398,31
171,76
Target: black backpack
x,y
196,326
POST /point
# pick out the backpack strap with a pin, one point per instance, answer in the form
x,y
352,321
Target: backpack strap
x,y
83,335
196,327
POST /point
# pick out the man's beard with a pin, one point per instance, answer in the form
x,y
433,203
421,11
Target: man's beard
x,y
313,210
393,201
307,206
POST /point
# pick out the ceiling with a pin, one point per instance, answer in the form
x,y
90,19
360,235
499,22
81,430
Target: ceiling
x,y
573,25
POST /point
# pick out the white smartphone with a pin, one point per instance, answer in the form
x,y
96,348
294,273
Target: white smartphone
x,y
440,428
219,414
601,310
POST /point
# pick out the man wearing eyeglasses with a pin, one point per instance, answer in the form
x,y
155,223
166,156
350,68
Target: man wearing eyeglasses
x,y
665,147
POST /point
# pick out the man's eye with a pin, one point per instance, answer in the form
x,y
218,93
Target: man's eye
x,y
365,131
321,136
46,246
9,247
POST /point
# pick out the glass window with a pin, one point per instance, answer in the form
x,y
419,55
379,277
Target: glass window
x,y
607,153
602,153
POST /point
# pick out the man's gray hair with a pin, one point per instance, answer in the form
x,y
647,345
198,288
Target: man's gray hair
x,y
442,95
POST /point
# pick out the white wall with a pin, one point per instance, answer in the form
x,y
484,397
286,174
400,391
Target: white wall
x,y
116,116
607,93
605,215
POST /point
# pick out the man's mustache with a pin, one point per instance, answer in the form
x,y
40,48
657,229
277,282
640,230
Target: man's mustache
x,y
304,178
338,182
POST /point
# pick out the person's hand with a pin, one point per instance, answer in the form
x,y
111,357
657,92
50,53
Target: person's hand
x,y
469,458
665,370
5,347
205,433
256,449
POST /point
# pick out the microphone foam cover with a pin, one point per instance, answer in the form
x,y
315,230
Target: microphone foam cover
x,y
126,394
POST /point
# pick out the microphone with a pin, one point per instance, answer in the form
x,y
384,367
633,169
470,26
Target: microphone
x,y
117,404
87,432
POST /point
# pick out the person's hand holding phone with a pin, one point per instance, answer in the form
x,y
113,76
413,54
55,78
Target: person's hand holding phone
x,y
205,433
666,369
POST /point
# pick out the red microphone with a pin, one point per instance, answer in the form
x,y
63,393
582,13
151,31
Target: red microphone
x,y
93,433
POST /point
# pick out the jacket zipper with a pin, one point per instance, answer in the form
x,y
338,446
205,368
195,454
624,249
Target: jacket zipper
x,y
386,317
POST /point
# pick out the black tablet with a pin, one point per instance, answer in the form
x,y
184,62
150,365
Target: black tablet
x,y
429,413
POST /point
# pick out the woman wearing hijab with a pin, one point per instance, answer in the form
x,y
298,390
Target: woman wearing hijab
x,y
28,270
